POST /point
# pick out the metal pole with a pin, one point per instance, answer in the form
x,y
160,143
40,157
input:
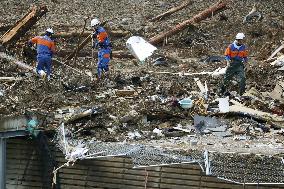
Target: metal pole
x,y
2,163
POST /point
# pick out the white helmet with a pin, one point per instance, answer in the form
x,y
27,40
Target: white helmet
x,y
49,30
95,22
240,36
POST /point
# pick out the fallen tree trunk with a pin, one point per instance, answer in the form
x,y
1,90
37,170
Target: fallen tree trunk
x,y
23,25
171,11
20,64
115,33
197,18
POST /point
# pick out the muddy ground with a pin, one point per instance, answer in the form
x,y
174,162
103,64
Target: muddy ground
x,y
155,104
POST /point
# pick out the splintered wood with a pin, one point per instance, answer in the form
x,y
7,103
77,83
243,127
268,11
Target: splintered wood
x,y
23,25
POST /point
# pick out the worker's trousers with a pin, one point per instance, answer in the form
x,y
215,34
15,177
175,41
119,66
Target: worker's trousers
x,y
44,63
103,60
236,68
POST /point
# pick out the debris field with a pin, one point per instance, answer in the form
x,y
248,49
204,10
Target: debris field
x,y
141,101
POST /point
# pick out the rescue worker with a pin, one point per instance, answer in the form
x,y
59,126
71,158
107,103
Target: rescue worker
x,y
45,50
236,58
102,42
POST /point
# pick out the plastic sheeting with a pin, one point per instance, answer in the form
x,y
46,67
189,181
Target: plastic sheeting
x,y
140,48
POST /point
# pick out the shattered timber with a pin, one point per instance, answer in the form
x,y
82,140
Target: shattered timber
x,y
152,122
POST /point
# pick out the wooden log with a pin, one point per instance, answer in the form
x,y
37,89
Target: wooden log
x,y
23,25
20,64
75,33
171,11
78,116
197,18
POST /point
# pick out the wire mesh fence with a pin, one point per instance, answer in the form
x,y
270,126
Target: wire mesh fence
x,y
234,167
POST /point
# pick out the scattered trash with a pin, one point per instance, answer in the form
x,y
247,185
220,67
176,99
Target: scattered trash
x,y
75,88
219,71
251,15
213,59
224,105
279,61
203,88
1,92
160,62
134,135
159,132
242,137
202,123
186,103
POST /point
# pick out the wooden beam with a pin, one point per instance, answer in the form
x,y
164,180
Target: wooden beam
x,y
20,64
23,25
197,18
171,11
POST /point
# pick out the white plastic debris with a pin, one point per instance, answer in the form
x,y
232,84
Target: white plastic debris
x,y
158,132
219,71
186,103
279,61
140,48
134,135
224,106
1,92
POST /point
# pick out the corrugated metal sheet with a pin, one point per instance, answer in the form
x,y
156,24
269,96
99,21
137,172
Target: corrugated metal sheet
x,y
24,172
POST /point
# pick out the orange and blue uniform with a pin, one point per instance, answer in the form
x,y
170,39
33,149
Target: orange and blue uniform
x,y
45,51
102,42
237,55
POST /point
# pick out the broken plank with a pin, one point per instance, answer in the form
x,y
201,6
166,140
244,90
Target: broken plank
x,y
275,52
171,11
10,79
257,114
197,18
23,25
125,92
20,64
